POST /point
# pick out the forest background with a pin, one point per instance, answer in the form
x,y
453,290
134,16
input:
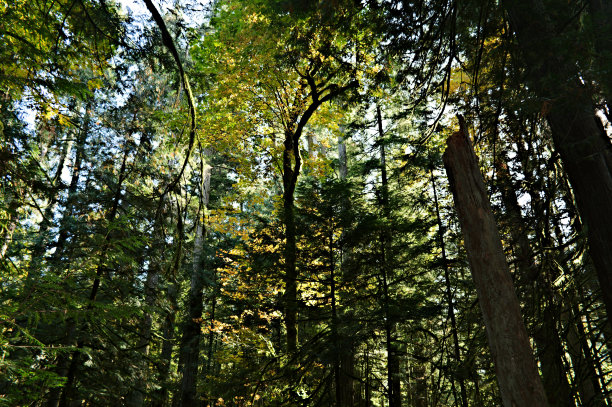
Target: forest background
x,y
245,203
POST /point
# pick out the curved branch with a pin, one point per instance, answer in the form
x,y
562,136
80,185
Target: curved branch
x,y
169,43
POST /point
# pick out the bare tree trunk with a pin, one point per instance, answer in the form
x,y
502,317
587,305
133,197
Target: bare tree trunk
x,y
578,134
291,167
161,395
393,366
346,370
517,374
190,342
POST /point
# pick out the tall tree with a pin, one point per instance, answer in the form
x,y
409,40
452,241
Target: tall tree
x,y
517,374
578,133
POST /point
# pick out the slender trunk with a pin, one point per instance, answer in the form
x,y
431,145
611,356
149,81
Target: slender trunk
x,y
209,365
420,388
548,342
600,12
79,155
8,237
38,251
63,361
291,168
334,321
346,382
342,161
161,395
449,293
136,396
577,132
190,341
593,355
393,368
211,335
69,387
517,374
368,388
550,353
585,377
292,162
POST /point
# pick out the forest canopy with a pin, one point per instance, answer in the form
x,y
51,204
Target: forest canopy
x,y
306,203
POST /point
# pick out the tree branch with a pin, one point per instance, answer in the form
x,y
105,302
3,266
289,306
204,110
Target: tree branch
x,y
169,43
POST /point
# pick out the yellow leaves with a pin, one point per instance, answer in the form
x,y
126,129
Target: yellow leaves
x,y
493,41
93,84
257,17
460,81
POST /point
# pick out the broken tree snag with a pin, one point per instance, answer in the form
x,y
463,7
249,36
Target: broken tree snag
x,y
517,374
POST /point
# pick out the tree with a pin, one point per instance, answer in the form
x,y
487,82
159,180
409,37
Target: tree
x,y
517,373
578,134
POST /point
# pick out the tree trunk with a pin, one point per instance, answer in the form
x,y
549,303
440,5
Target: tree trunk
x,y
585,377
190,342
63,361
393,366
419,373
517,374
136,396
601,12
548,343
79,155
291,168
449,295
346,383
161,395
71,377
578,134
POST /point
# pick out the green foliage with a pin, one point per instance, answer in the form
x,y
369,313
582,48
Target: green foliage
x,y
100,262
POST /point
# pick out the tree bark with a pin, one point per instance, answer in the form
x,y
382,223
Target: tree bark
x,y
292,163
578,134
393,367
161,395
190,341
548,342
346,396
517,374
